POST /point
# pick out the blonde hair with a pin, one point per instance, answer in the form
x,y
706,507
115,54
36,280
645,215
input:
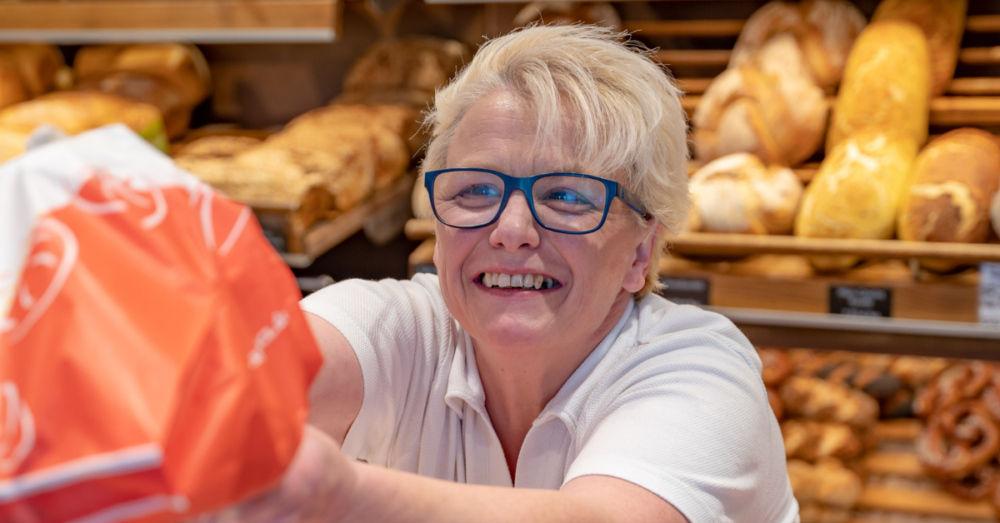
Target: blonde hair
x,y
626,107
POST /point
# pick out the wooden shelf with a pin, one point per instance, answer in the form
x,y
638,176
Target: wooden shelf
x,y
198,21
381,216
716,28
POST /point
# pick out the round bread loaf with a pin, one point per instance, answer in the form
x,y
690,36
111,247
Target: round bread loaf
x,y
856,191
824,30
954,178
738,194
886,84
769,107
181,65
942,21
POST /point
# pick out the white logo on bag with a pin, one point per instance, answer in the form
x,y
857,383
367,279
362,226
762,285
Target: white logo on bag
x,y
17,428
53,253
264,338
208,223
119,195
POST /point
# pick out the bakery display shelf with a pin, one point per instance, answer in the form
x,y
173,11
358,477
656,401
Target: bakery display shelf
x,y
969,101
729,245
381,217
197,21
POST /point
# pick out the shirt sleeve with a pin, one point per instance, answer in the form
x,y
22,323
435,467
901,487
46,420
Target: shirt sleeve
x,y
694,427
397,330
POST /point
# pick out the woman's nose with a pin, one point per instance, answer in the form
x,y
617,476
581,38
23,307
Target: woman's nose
x,y
516,226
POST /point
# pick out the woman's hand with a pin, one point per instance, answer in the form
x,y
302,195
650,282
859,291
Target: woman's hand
x,y
316,488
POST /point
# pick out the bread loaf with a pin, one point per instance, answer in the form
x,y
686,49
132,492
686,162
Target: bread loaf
x,y
886,84
942,21
995,213
824,30
769,107
856,192
181,65
27,71
419,63
75,112
828,482
954,178
738,194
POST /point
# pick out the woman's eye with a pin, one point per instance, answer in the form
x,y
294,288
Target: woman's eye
x,y
567,196
479,190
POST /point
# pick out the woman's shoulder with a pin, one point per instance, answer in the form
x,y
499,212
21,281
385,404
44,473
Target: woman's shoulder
x,y
689,332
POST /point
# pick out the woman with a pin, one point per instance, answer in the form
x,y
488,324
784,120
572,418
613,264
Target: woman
x,y
539,357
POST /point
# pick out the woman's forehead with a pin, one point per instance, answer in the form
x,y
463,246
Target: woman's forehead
x,y
501,132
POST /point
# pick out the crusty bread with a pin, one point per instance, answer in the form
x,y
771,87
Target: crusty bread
x,y
886,84
216,147
738,194
769,107
27,71
823,29
942,21
954,178
857,190
417,62
182,65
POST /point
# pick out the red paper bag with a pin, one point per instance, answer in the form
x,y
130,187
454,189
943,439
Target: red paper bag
x,y
154,363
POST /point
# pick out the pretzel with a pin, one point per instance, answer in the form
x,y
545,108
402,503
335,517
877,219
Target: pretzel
x,y
963,380
777,366
980,483
958,440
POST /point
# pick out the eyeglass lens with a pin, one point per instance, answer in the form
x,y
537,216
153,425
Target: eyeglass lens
x,y
564,203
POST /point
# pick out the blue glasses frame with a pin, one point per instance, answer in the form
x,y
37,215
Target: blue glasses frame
x,y
512,183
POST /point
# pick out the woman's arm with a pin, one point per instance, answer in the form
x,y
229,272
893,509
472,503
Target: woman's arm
x,y
323,486
336,393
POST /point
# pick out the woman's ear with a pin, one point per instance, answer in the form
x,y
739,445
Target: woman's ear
x,y
635,280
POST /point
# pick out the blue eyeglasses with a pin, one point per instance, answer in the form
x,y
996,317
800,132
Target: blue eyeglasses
x,y
570,203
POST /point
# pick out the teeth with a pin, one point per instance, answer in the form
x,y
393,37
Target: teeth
x,y
517,281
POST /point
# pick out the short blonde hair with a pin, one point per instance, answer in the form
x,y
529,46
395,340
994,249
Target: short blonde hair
x,y
626,107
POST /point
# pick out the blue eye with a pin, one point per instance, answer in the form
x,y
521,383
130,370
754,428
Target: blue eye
x,y
567,197
480,190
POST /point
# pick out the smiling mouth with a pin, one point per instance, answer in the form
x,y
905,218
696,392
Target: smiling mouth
x,y
517,281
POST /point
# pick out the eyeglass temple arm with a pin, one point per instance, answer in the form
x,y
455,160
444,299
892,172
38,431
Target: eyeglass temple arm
x,y
633,201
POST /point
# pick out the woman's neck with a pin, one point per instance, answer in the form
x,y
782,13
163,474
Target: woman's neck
x,y
519,384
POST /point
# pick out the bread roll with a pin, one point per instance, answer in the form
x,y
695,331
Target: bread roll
x,y
546,12
995,213
181,65
12,144
769,107
416,62
824,30
942,21
146,89
27,71
886,84
828,482
738,194
856,192
954,178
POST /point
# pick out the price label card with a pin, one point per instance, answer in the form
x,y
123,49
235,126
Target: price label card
x,y
686,291
989,293
861,301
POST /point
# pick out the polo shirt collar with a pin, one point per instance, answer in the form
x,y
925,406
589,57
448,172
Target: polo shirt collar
x,y
466,387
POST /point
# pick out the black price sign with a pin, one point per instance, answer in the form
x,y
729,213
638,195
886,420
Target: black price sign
x,y
685,291
861,301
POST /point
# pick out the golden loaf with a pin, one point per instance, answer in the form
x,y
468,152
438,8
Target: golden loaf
x,y
856,192
886,84
942,21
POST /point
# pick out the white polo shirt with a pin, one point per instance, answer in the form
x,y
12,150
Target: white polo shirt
x,y
670,400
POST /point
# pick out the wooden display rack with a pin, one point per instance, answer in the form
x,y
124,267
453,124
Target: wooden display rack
x,y
381,216
196,21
